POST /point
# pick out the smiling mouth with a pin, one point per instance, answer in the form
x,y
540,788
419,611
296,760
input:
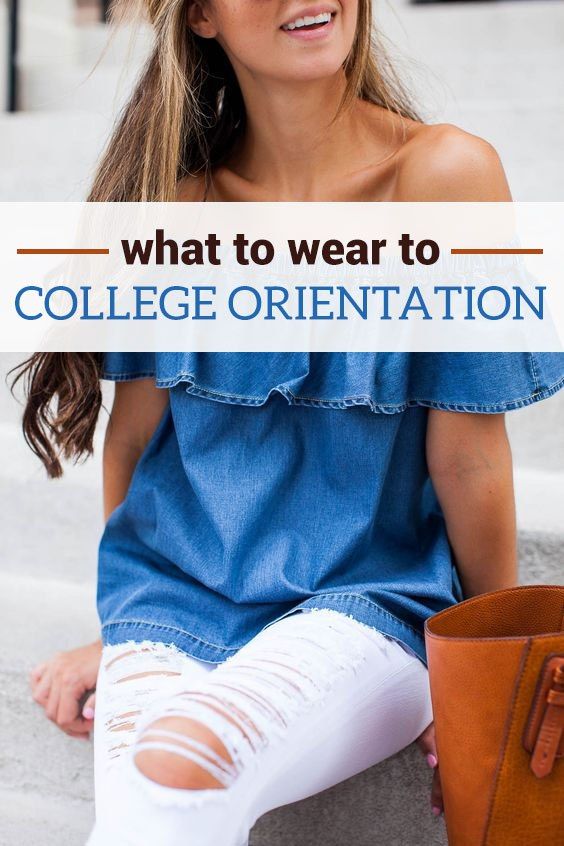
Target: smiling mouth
x,y
308,23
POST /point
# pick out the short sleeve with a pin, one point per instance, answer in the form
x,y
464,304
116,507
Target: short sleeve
x,y
484,382
126,366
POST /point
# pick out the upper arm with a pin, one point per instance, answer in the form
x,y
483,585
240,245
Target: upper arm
x,y
136,411
445,164
462,445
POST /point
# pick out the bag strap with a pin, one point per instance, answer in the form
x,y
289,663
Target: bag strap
x,y
544,731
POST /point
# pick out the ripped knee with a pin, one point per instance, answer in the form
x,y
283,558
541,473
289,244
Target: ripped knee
x,y
179,752
134,676
205,738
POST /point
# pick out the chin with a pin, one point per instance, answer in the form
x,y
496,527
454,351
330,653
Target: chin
x,y
312,70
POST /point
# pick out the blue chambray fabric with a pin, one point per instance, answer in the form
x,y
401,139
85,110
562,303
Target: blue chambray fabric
x,y
276,483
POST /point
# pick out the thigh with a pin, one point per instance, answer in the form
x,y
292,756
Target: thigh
x,y
372,700
133,678
312,700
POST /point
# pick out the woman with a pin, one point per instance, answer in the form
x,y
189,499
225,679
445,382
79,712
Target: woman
x,y
361,490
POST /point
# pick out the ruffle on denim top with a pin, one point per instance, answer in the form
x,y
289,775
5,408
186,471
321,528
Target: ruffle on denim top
x,y
385,382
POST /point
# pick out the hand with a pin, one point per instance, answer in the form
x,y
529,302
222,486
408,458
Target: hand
x,y
426,741
65,687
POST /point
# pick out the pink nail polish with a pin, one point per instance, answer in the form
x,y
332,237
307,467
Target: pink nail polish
x,y
88,713
432,760
436,810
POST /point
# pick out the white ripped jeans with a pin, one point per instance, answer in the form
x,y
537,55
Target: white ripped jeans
x,y
192,754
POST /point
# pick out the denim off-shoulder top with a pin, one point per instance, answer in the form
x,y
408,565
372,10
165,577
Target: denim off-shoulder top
x,y
277,483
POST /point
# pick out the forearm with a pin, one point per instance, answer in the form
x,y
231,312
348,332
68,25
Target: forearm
x,y
474,485
480,519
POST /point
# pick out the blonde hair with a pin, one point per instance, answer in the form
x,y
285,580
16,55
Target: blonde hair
x,y
187,110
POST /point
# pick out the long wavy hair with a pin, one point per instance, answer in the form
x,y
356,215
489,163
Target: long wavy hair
x,y
183,119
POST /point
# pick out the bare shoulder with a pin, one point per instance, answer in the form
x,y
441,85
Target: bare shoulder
x,y
442,163
190,189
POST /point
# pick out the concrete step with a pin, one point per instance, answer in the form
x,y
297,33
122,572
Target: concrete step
x,y
29,819
45,779
472,30
50,614
3,54
50,158
539,497
68,522
64,67
537,435
541,557
59,88
54,33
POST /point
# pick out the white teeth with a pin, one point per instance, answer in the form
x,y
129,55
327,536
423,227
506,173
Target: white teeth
x,y
308,20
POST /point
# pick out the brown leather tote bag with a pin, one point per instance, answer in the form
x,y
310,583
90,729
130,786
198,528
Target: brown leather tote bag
x,y
496,670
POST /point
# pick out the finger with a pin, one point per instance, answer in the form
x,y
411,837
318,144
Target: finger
x,y
427,732
68,708
427,744
37,672
71,690
41,691
89,707
52,703
77,734
432,760
78,728
437,803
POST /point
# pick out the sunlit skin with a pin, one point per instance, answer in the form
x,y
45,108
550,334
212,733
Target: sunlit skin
x,y
295,149
266,55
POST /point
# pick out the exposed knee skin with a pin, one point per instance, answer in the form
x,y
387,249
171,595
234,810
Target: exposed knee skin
x,y
170,768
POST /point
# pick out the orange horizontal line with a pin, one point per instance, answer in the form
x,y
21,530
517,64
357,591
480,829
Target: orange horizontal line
x,y
500,252
63,251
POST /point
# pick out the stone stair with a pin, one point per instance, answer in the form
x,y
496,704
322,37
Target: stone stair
x,y
68,66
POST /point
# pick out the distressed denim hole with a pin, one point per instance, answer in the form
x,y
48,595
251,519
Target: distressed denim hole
x,y
181,752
